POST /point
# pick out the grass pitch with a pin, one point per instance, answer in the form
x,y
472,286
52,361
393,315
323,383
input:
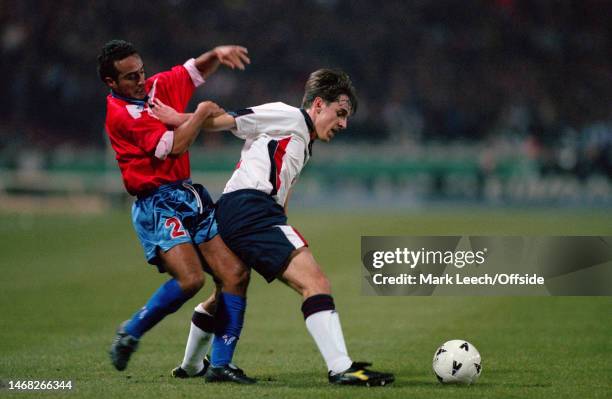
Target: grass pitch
x,y
67,281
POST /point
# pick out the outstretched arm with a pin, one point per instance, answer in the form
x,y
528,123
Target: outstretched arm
x,y
186,133
216,121
231,56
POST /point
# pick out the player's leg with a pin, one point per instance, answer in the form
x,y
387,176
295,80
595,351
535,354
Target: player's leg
x,y
202,327
231,306
226,266
305,276
183,264
227,269
203,323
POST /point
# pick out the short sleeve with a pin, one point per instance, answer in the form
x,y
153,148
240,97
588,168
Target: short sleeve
x,y
246,123
174,87
194,73
274,119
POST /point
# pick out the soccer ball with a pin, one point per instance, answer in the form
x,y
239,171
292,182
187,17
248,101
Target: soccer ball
x,y
457,362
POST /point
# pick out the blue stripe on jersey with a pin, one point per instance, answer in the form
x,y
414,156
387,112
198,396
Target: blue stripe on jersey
x,y
272,146
311,130
308,120
240,112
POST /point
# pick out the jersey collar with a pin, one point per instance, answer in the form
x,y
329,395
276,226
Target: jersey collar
x,y
311,129
131,100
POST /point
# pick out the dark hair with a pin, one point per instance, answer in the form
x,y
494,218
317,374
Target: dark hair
x,y
112,51
329,84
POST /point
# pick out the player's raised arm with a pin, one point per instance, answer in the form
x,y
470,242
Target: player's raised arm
x,y
231,56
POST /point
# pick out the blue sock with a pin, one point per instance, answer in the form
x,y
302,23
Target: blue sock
x,y
230,317
167,299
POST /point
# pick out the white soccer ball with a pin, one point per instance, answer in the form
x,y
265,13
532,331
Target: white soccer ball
x,y
457,362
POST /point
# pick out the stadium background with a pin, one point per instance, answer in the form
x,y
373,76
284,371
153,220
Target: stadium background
x,y
477,117
494,102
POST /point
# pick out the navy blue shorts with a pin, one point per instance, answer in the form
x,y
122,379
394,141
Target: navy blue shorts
x,y
255,228
173,214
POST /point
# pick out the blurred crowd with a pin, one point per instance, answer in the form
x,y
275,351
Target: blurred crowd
x,y
534,76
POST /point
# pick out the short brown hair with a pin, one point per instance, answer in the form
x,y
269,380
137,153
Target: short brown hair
x,y
329,84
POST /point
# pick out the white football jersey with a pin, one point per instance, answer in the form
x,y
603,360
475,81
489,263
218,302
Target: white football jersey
x,y
278,145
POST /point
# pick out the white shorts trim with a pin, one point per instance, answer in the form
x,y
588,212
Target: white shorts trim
x,y
292,236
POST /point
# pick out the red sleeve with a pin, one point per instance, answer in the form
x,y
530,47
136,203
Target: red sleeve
x,y
174,87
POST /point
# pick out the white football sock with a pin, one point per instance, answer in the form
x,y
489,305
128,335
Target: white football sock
x,y
326,331
197,346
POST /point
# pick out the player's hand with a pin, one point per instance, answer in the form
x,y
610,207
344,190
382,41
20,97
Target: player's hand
x,y
209,108
232,56
165,113
217,112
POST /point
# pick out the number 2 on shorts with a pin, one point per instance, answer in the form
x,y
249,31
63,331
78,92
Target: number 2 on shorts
x,y
177,227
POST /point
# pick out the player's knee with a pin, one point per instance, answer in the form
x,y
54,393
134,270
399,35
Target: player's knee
x,y
192,283
316,285
238,280
322,284
243,278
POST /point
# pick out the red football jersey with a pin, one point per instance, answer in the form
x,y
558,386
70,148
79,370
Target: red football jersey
x,y
134,133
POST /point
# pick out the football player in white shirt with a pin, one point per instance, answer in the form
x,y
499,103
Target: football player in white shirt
x,y
251,217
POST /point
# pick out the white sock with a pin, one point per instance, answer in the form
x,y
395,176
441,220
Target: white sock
x,y
197,346
326,331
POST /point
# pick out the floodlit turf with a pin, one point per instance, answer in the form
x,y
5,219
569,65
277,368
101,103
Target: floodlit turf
x,y
67,281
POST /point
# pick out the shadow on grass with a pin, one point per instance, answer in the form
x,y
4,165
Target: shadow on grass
x,y
315,380
434,384
299,381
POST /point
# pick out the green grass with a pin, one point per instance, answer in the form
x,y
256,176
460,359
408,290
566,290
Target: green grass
x,y
67,281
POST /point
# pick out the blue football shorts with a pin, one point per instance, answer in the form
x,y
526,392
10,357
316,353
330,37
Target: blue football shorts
x,y
255,228
173,214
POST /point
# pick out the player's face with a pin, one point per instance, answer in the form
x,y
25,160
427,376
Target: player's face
x,y
131,78
332,117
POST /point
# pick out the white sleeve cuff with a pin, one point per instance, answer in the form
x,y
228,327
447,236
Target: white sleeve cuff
x,y
196,75
164,147
244,127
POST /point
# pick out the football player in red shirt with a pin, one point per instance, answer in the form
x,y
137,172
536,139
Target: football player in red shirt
x,y
173,218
